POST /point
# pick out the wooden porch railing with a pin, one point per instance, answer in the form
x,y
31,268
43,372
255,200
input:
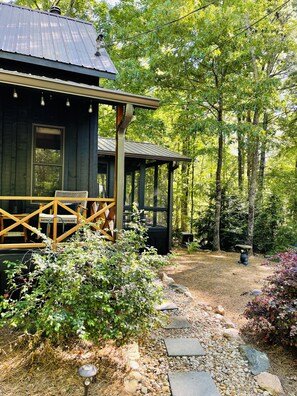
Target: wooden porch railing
x,y
100,214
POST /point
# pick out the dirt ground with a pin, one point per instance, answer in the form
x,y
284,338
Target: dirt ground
x,y
216,278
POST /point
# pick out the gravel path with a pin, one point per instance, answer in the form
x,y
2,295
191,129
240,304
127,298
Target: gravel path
x,y
223,361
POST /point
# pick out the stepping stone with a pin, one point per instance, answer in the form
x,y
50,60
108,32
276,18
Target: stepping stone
x,y
183,347
192,383
176,322
166,306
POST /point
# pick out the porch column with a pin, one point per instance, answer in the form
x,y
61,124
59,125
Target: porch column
x,y
123,119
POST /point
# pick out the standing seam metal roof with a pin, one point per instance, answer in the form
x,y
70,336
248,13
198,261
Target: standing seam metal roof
x,y
51,37
106,146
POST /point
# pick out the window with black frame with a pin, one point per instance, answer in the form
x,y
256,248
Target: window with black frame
x,y
156,195
47,167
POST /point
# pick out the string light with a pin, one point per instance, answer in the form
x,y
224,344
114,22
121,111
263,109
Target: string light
x,y
67,102
15,94
42,102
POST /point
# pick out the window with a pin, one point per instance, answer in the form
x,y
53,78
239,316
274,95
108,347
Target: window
x,y
102,180
47,161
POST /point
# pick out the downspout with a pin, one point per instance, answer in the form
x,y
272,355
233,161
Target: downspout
x,y
123,118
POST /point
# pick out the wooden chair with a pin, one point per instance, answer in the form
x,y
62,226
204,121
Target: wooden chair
x,y
64,216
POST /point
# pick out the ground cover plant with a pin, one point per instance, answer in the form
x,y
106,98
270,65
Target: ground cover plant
x,y
273,314
90,288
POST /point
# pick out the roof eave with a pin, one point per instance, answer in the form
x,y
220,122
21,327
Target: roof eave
x,y
146,156
102,95
57,65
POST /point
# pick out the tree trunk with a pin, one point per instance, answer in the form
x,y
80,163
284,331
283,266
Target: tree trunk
x,y
192,193
262,160
253,183
240,159
218,197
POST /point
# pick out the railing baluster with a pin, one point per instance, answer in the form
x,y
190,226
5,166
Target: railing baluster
x,y
105,205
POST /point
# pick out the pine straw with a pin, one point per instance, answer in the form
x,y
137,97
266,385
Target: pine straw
x,y
48,371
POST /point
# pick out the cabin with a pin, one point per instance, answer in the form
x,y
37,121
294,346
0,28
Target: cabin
x,y
51,68
148,183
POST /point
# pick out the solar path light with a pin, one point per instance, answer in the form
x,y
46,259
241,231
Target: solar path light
x,y
87,372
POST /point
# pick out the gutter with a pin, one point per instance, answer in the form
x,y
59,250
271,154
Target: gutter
x,y
102,95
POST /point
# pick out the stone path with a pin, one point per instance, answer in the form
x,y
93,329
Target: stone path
x,y
199,356
188,383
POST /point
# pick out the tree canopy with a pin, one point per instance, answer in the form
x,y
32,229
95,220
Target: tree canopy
x,y
225,71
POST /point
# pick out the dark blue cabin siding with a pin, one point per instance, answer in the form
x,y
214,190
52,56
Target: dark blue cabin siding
x,y
17,117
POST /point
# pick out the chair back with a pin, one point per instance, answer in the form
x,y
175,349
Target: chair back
x,y
72,194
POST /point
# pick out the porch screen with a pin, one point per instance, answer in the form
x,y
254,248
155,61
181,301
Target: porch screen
x,y
47,161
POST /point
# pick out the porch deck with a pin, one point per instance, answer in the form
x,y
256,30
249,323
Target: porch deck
x,y
22,228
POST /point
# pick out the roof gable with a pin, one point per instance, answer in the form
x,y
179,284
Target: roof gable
x,y
49,39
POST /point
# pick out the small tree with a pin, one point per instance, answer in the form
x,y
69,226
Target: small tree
x,y
272,315
89,288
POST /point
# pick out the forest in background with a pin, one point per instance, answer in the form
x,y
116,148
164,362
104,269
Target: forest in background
x,y
225,71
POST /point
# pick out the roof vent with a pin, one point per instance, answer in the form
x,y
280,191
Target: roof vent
x,y
55,10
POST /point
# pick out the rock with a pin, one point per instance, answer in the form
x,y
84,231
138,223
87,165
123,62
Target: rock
x,y
219,310
135,375
218,316
228,324
270,382
144,390
132,352
131,385
256,292
166,279
178,288
133,365
188,294
232,335
205,307
258,361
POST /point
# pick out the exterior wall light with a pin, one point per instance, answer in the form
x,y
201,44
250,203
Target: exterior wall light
x,y
90,108
87,372
42,102
67,102
15,94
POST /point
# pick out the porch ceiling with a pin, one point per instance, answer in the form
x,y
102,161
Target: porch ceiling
x,y
102,95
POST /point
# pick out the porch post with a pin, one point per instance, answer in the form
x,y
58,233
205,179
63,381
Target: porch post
x,y
123,118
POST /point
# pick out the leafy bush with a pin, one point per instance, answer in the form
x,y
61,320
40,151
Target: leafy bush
x,y
268,220
89,288
273,314
232,224
286,236
192,246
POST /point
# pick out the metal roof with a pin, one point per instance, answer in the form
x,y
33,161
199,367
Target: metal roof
x,y
49,39
106,146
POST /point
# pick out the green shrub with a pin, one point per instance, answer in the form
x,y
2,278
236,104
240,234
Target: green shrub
x,y
90,288
233,223
272,314
192,246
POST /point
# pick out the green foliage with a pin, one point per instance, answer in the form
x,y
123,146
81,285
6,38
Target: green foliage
x,y
220,70
192,246
272,234
233,223
89,288
268,220
272,314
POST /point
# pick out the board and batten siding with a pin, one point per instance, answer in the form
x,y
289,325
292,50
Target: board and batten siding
x,y
17,118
